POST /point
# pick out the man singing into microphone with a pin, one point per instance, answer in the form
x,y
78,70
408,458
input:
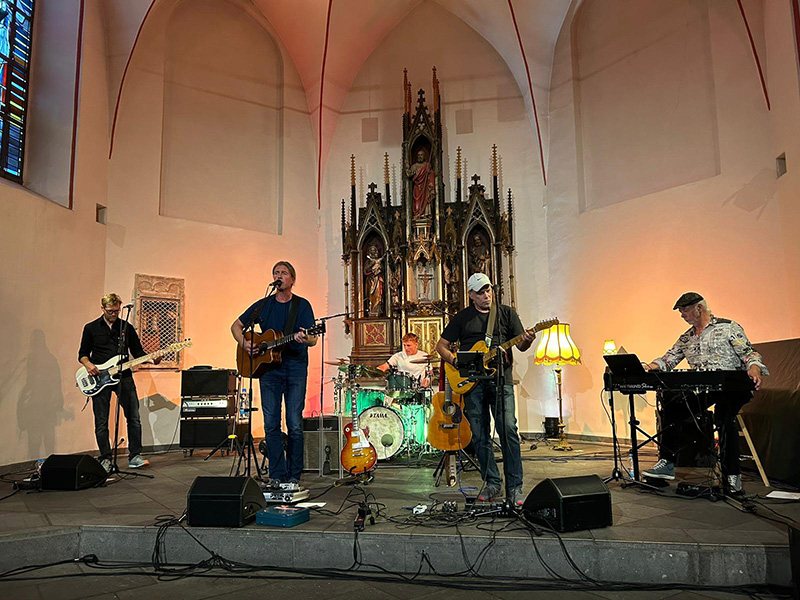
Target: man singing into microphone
x,y
285,382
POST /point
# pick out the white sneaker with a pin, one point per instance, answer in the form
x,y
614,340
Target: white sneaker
x,y
106,464
735,483
138,461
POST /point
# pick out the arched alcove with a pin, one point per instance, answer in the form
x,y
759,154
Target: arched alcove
x,y
221,139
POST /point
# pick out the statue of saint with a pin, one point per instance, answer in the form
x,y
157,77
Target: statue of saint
x,y
480,257
373,272
424,186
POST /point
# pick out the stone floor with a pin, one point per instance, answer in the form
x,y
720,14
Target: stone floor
x,y
639,516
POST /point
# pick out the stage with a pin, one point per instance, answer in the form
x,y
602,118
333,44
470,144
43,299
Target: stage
x,y
656,539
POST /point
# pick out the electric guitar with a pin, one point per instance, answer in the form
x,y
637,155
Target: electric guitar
x,y
461,385
358,454
270,343
90,385
448,429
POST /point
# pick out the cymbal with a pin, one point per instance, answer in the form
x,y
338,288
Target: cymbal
x,y
337,362
363,370
423,361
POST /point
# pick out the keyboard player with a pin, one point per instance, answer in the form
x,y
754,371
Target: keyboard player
x,y
711,343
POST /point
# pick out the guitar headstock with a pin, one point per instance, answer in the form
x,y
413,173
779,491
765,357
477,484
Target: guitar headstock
x,y
187,343
545,324
316,329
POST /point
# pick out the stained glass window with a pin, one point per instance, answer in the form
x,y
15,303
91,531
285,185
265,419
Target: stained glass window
x,y
16,28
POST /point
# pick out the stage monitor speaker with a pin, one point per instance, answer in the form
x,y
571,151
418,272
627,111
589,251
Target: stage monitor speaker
x,y
794,558
71,472
330,439
223,501
208,382
570,503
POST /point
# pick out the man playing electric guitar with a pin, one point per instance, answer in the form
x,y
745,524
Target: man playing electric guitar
x,y
99,343
468,327
286,380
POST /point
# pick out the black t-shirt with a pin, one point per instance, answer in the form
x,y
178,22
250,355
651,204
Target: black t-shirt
x,y
100,342
469,326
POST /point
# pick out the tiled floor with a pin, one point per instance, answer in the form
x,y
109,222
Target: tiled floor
x,y
638,516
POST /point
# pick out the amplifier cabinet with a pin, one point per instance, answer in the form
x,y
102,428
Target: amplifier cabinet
x,y
208,433
208,406
331,438
208,382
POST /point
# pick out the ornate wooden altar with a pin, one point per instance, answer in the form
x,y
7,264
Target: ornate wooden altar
x,y
407,263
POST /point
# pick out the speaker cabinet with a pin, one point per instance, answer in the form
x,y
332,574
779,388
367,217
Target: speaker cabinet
x,y
330,439
207,433
570,503
223,501
208,382
71,472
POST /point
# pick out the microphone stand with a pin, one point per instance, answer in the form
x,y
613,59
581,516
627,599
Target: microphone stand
x,y
122,351
248,447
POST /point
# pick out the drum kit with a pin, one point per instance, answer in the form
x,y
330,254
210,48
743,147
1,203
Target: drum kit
x,y
392,407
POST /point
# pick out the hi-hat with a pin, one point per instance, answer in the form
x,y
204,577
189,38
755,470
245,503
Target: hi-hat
x,y
338,362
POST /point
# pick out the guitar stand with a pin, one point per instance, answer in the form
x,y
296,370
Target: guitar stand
x,y
441,468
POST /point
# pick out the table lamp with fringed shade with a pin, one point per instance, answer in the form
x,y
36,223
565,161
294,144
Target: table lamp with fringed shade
x,y
557,348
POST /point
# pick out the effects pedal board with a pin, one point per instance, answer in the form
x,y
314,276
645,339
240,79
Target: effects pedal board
x,y
284,493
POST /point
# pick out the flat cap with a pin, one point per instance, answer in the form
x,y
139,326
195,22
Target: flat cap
x,y
687,299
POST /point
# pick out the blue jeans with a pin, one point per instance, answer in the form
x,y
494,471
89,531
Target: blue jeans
x,y
285,384
477,405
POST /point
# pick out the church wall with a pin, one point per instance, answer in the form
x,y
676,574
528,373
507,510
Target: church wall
x,y
616,267
52,278
472,77
225,267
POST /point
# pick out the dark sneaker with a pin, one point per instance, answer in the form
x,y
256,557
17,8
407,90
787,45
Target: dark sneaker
x,y
488,493
138,461
517,498
663,469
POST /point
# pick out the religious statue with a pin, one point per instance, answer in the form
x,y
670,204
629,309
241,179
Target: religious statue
x,y
373,272
424,186
395,283
480,257
451,279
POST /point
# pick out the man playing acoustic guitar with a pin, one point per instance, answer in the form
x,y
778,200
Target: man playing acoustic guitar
x,y
467,328
286,380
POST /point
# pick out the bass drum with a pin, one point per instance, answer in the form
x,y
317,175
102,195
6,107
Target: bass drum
x,y
384,429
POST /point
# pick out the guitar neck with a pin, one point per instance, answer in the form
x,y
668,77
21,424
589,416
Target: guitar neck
x,y
279,342
505,346
137,361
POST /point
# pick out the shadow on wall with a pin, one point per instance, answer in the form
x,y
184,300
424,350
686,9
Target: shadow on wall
x,y
40,408
755,194
161,426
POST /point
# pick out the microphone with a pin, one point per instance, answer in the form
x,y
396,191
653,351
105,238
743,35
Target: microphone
x,y
130,305
276,283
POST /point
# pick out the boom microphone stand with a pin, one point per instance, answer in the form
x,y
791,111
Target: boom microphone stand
x,y
122,352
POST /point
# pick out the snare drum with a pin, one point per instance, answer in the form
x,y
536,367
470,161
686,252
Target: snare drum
x,y
400,385
384,428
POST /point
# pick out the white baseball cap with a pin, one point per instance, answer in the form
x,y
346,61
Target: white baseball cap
x,y
478,281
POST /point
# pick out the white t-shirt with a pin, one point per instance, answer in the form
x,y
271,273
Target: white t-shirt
x,y
400,361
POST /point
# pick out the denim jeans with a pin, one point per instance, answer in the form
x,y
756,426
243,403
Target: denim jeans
x,y
478,404
285,384
129,401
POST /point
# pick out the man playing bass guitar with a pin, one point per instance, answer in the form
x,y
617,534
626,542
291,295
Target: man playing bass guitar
x,y
285,380
468,327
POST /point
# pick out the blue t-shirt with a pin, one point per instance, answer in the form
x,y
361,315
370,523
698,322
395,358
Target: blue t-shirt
x,y
273,315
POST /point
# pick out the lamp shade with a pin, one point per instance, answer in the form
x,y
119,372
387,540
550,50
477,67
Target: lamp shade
x,y
557,348
609,347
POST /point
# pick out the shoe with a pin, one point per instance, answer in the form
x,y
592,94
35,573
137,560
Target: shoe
x,y
488,493
517,498
663,469
106,464
734,483
137,461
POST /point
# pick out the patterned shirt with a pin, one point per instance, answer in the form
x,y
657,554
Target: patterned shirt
x,y
722,345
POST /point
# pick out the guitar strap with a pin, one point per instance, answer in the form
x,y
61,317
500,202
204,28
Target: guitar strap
x,y
291,318
490,324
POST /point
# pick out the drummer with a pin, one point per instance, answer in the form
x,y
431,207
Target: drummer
x,y
402,360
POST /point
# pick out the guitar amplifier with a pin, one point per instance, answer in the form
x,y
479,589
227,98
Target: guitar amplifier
x,y
208,406
331,438
207,433
208,382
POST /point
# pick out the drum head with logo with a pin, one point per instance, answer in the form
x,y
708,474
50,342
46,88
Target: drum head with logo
x,y
385,430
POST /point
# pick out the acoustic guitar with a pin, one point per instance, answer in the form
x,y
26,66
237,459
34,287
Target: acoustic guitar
x,y
448,429
270,344
358,455
461,385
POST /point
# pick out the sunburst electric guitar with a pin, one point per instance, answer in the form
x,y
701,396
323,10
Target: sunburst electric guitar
x,y
358,454
91,385
461,385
